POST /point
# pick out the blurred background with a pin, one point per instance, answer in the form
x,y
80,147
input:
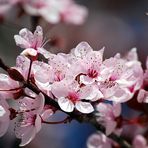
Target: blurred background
x,y
119,25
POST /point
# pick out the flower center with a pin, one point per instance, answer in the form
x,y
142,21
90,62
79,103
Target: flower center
x,y
73,96
92,73
28,119
58,76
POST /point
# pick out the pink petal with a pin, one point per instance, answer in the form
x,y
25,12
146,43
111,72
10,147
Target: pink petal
x,y
121,95
21,42
59,90
86,80
116,109
110,127
139,142
99,140
132,55
29,52
142,96
82,49
38,123
4,126
84,107
51,15
65,104
90,93
27,138
46,114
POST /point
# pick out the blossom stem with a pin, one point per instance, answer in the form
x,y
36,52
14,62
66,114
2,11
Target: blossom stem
x,y
30,65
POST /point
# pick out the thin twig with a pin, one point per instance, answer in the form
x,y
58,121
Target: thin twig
x,y
30,65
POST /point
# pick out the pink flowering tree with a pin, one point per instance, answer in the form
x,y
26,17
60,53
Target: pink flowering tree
x,y
81,84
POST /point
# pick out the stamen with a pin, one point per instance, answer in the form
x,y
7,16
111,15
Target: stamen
x,y
45,42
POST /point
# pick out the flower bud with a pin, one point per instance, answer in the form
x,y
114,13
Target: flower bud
x,y
15,75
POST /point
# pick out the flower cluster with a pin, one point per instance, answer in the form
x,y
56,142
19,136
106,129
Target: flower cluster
x,y
99,140
80,81
53,11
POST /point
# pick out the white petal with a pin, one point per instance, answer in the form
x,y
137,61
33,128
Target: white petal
x,y
29,52
121,95
41,102
44,52
38,123
82,49
86,80
46,114
125,83
21,42
31,10
132,55
65,104
59,89
4,127
90,93
51,15
27,138
84,107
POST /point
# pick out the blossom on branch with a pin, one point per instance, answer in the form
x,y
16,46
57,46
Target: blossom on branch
x,y
81,84
52,11
99,140
108,116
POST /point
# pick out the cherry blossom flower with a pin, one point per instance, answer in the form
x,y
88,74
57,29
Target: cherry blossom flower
x,y
32,43
70,95
26,39
107,115
4,117
31,114
74,14
81,50
80,81
139,142
55,11
99,140
89,62
4,9
6,5
119,79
